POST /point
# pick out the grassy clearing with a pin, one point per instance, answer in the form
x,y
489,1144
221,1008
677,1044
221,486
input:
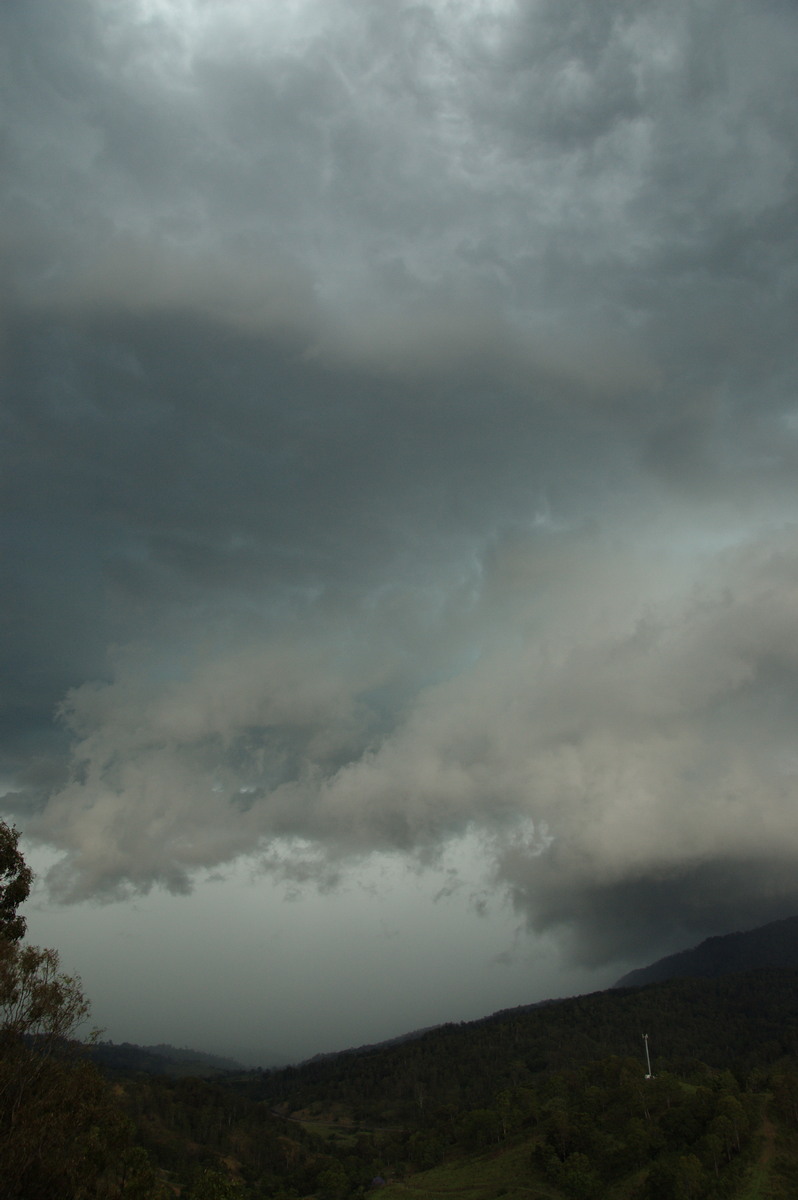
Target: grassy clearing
x,y
506,1175
757,1184
759,1180
339,1134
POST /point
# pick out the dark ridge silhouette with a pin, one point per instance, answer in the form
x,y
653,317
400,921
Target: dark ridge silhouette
x,y
159,1060
773,945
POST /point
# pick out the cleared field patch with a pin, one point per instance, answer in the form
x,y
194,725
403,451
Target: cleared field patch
x,y
497,1175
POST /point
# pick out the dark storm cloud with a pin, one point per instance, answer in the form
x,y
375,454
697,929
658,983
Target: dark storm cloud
x,y
400,440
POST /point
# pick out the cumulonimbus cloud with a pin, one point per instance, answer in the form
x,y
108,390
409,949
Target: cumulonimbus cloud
x,y
384,381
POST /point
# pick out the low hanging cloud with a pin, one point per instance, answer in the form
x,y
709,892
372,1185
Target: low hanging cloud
x,y
618,769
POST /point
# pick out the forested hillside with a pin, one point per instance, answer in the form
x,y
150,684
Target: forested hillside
x,y
550,1101
738,1022
567,1081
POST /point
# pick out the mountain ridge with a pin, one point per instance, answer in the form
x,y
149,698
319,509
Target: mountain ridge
x,y
771,945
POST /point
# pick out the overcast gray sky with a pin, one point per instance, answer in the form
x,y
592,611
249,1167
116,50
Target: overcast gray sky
x,y
400,432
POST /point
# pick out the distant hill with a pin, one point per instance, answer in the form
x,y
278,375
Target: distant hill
x,y
160,1060
368,1047
773,945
